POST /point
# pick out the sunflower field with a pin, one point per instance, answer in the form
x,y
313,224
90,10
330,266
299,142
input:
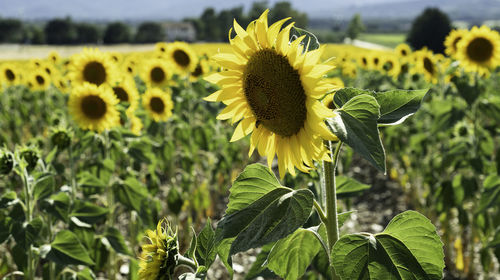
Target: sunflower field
x,y
270,157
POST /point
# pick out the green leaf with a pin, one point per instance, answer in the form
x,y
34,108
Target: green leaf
x,y
253,183
88,180
490,195
89,212
85,274
57,205
270,218
190,253
7,199
356,125
116,240
5,223
130,193
174,200
395,105
67,249
342,217
259,267
206,249
26,234
291,256
310,41
409,248
349,187
44,186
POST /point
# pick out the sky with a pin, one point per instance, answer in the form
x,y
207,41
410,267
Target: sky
x,y
152,9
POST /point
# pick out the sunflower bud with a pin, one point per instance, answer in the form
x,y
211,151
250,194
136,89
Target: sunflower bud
x,y
30,155
159,257
6,162
61,138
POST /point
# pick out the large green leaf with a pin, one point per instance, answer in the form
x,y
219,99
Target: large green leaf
x,y
270,218
89,212
490,195
356,124
291,256
395,105
44,186
26,234
259,267
116,240
206,249
67,249
348,187
409,248
253,183
58,205
130,193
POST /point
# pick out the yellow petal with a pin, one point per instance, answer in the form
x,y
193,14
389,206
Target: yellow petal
x,y
229,61
274,29
244,128
228,112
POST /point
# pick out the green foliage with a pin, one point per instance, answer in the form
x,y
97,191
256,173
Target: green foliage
x,y
11,30
149,32
408,248
60,32
116,33
355,27
67,249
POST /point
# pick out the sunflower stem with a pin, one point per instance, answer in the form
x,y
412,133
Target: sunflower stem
x,y
186,262
111,207
332,223
72,173
30,271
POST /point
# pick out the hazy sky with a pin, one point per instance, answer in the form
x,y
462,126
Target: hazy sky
x,y
153,9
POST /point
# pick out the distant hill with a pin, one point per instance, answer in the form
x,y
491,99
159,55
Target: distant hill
x,y
133,10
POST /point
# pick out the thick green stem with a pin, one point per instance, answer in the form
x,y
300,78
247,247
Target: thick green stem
x,y
111,207
332,223
181,260
72,173
332,226
29,216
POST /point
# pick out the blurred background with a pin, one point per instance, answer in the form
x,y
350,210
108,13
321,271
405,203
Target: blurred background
x,y
383,22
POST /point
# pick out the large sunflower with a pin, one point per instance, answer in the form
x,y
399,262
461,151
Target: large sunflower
x,y
272,87
479,50
93,107
182,56
157,73
452,40
92,66
158,104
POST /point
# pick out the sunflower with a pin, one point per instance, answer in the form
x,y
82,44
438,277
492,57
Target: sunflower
x,y
62,84
365,61
158,257
92,66
390,66
126,91
39,80
135,124
349,70
403,50
93,107
9,74
158,104
479,50
116,57
335,82
201,69
273,87
452,40
182,56
54,57
157,73
426,64
161,47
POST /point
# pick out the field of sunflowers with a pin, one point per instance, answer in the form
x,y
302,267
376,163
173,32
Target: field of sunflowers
x,y
271,156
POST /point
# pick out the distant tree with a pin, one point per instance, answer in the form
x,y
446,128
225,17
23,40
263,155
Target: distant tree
x,y
60,32
87,33
256,10
37,36
149,32
429,30
225,20
211,30
283,10
355,27
116,33
11,30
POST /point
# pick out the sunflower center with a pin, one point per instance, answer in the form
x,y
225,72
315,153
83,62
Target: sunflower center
x,y
375,61
157,75
157,105
121,94
365,62
403,52
388,66
480,49
181,58
10,75
197,71
94,72
428,66
40,80
274,92
93,107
